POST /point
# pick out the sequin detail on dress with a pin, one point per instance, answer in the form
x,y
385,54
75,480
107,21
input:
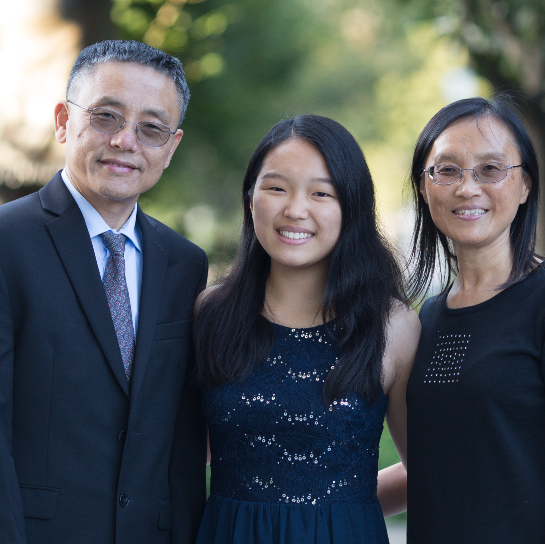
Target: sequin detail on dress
x,y
274,441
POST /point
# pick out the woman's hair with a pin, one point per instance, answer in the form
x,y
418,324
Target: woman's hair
x,y
232,336
429,244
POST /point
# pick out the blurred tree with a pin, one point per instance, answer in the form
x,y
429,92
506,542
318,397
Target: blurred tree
x,y
39,42
92,17
506,43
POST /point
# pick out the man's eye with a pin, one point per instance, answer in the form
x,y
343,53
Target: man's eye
x,y
104,116
151,127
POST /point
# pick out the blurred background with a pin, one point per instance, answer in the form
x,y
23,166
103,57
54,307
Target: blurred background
x,y
380,67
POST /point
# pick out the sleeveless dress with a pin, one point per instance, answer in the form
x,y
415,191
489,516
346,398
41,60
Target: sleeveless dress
x,y
286,468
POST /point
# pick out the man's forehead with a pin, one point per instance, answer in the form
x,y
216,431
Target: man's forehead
x,y
122,85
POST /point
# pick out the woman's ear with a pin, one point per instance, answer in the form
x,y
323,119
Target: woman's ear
x,y
527,188
423,191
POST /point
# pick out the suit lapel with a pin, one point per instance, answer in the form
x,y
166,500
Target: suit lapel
x,y
71,239
155,258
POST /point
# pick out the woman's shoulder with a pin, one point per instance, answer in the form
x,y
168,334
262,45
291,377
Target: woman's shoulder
x,y
535,279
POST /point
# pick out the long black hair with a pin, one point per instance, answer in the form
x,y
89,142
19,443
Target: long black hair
x,y
232,336
430,245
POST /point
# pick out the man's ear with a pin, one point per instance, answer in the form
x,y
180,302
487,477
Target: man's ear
x,y
61,120
176,141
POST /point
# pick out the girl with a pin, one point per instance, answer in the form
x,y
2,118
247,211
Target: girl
x,y
304,347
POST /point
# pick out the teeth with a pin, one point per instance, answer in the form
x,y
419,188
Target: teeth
x,y
470,212
295,235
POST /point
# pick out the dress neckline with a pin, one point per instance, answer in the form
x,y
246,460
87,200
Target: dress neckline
x,y
307,329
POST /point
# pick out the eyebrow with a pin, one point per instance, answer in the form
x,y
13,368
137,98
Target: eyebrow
x,y
484,157
275,175
152,112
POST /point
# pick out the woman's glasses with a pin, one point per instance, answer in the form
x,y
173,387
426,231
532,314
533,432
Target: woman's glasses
x,y
488,172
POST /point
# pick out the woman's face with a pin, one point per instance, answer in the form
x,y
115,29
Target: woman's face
x,y
295,209
471,213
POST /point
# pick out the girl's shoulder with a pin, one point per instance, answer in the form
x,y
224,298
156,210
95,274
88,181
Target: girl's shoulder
x,y
402,337
403,318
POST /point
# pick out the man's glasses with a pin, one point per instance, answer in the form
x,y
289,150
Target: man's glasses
x,y
111,122
488,172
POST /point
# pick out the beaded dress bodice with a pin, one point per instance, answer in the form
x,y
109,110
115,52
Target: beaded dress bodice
x,y
274,440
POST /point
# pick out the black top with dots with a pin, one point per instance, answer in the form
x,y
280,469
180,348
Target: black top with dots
x,y
476,421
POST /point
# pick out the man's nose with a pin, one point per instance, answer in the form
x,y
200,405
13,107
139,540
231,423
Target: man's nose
x,y
126,138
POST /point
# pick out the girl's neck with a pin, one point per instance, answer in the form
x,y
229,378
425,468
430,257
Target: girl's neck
x,y
293,297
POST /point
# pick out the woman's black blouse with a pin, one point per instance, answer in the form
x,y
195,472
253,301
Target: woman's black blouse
x,y
476,421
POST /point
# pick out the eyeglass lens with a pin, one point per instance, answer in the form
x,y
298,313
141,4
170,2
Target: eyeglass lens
x,y
110,122
489,172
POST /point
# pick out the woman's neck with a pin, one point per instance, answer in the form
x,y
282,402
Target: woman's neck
x,y
293,297
481,272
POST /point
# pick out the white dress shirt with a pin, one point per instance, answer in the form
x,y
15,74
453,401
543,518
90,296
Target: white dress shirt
x,y
133,246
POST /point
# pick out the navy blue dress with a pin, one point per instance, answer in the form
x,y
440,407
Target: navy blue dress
x,y
285,467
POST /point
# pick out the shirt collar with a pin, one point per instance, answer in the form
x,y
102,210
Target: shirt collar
x,y
94,221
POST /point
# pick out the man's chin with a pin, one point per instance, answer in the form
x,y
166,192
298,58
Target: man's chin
x,y
121,197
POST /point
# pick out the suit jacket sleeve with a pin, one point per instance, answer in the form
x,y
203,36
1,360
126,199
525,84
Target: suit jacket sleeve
x,y
188,458
11,507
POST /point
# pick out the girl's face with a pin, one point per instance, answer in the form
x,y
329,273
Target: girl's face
x,y
474,214
295,209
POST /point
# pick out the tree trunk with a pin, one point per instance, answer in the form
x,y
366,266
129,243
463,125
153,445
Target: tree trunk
x,y
93,16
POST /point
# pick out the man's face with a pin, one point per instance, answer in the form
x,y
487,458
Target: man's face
x,y
112,170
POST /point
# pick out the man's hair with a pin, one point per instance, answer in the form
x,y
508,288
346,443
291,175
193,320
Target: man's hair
x,y
129,51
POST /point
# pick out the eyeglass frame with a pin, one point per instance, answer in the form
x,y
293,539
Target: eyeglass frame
x,y
460,174
90,110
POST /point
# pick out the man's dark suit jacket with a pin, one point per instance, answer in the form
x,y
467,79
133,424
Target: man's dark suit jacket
x,y
82,458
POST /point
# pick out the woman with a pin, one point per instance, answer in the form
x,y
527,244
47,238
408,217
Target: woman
x,y
476,396
304,346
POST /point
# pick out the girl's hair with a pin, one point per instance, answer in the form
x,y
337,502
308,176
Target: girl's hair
x,y
232,336
429,244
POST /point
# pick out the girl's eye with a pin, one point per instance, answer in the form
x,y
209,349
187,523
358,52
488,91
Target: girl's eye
x,y
321,194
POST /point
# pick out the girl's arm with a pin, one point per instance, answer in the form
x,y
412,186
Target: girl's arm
x,y
402,336
392,490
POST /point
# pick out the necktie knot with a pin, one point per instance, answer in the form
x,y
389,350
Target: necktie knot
x,y
114,242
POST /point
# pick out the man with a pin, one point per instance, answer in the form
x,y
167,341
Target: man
x,y
101,436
